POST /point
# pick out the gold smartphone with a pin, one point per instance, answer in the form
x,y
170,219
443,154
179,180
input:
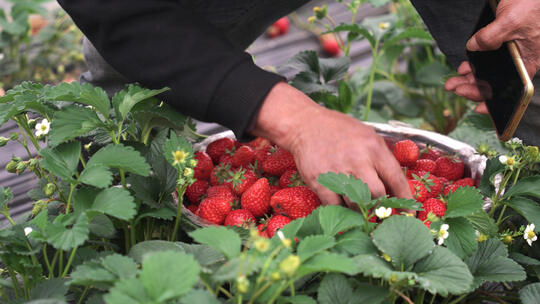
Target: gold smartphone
x,y
502,79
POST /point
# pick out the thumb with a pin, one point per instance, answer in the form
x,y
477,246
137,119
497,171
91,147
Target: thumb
x,y
490,37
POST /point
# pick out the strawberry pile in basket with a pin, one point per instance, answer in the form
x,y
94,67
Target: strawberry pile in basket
x,y
245,184
432,176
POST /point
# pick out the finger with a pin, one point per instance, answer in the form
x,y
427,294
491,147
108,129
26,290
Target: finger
x,y
481,108
491,36
371,178
470,92
326,196
390,172
464,68
350,204
453,82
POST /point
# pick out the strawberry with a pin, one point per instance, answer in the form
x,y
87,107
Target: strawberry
x,y
433,205
410,174
437,186
240,218
373,219
193,208
220,174
276,222
218,147
330,45
261,154
427,223
295,202
214,209
226,159
453,187
427,165
241,179
256,198
195,191
280,27
406,152
259,143
204,166
274,189
465,182
418,190
262,230
278,162
222,191
237,144
450,167
290,178
430,153
243,156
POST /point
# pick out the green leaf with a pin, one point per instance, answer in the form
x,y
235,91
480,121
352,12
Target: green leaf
x,y
325,262
482,222
432,74
530,293
305,61
65,238
523,259
159,115
101,226
310,84
407,33
377,3
400,203
162,214
168,275
374,266
142,249
356,242
529,186
125,100
490,264
368,293
82,93
115,202
298,299
72,121
462,237
229,270
198,296
96,175
334,219
353,188
334,68
204,254
356,31
476,129
6,196
225,240
334,289
405,239
128,291
388,93
54,288
122,266
121,157
442,273
464,202
312,245
529,209
61,161
92,273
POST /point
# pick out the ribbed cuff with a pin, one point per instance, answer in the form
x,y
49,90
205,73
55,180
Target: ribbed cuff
x,y
237,100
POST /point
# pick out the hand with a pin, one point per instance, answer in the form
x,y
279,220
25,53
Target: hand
x,y
323,140
517,20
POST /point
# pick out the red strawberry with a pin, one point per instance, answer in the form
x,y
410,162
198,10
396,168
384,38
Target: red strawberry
x,y
193,208
438,184
214,209
418,190
453,187
427,224
195,191
222,191
218,147
241,179
262,230
427,165
259,143
290,178
411,173
295,202
237,144
280,27
261,154
430,153
278,162
256,198
276,222
433,205
274,189
204,166
450,167
226,159
373,219
220,174
330,45
465,182
243,156
240,218
406,152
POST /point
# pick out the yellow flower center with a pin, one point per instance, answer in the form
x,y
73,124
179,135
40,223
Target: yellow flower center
x,y
43,127
387,257
384,25
179,157
530,234
510,161
262,245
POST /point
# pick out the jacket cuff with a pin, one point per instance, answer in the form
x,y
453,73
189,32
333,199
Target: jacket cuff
x,y
238,98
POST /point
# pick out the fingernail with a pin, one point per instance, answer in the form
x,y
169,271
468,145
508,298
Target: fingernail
x,y
470,45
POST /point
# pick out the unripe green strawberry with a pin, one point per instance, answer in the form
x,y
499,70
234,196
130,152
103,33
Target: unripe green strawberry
x,y
11,166
21,167
32,164
3,141
38,207
49,189
13,136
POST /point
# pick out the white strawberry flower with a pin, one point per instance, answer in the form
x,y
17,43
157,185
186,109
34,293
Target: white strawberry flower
x,y
503,159
529,234
384,25
509,161
443,233
28,230
383,212
1,56
43,127
515,141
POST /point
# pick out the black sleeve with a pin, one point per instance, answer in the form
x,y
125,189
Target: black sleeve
x,y
451,23
160,43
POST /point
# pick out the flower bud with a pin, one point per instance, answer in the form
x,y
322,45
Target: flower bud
x,y
3,141
275,276
481,238
32,123
21,167
49,189
320,12
507,239
87,146
483,149
13,136
32,164
311,19
262,245
11,166
290,265
532,153
242,284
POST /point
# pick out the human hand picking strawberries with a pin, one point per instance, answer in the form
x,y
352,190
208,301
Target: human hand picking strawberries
x,y
322,140
517,20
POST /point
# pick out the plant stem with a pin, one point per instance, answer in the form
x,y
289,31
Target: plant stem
x,y
259,292
459,299
291,285
420,298
403,296
85,291
371,77
132,232
16,286
181,191
501,215
60,262
46,258
3,294
225,292
432,298
11,221
71,188
69,261
278,292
